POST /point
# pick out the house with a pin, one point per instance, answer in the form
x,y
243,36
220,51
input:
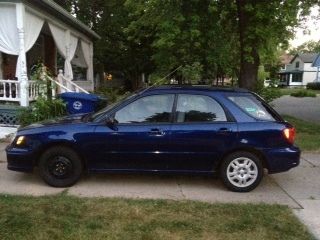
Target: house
x,y
33,31
300,71
316,64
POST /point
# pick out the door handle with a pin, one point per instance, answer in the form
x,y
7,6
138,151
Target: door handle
x,y
224,130
156,132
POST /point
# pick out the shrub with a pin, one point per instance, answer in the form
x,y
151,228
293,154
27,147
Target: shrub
x,y
41,109
269,93
314,86
303,93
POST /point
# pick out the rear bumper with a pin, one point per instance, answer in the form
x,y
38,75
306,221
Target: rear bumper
x,y
20,160
283,159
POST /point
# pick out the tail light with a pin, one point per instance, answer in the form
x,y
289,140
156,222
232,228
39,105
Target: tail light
x,y
289,134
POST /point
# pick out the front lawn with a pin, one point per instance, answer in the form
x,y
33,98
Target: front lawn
x,y
308,134
66,217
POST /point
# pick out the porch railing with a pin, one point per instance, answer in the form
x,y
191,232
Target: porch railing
x,y
70,85
9,90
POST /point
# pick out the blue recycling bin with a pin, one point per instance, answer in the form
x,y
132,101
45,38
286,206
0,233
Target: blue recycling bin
x,y
80,102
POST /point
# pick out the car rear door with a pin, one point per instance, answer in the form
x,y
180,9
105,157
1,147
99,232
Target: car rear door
x,y
201,134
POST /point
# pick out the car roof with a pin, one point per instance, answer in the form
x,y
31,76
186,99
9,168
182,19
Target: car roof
x,y
196,88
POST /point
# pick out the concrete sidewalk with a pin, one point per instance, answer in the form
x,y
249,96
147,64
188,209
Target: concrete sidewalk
x,y
298,188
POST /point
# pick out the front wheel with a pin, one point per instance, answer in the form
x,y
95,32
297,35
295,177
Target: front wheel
x,y
60,166
241,171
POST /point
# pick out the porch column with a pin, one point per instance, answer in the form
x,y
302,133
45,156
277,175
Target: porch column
x,y
317,79
290,79
1,73
22,62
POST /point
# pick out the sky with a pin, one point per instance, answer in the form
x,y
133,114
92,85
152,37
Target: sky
x,y
310,30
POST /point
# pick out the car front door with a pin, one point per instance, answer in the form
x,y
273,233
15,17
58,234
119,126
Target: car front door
x,y
141,133
201,133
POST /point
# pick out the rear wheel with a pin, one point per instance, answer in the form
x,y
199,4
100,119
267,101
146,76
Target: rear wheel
x,y
241,171
60,166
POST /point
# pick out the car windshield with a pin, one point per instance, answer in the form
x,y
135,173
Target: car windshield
x,y
97,116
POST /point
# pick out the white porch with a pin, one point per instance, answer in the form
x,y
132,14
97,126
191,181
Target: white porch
x,y
21,24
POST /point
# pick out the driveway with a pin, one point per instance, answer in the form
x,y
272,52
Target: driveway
x,y
306,108
298,188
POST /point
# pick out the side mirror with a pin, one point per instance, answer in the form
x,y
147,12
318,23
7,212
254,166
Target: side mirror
x,y
111,123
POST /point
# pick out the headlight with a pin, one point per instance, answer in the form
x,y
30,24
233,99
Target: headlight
x,y
20,140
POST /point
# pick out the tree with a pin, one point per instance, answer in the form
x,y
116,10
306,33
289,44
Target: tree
x,y
218,37
185,33
262,27
307,47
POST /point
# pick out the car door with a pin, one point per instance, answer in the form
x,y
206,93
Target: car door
x,y
142,135
201,133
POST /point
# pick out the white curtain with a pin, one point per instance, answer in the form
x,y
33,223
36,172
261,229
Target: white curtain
x,y
59,36
32,28
9,36
67,45
73,42
78,59
9,41
87,51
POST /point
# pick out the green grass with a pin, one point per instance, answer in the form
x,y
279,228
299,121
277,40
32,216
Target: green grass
x,y
290,91
66,217
303,93
308,134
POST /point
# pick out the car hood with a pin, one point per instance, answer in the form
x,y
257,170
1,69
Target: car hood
x,y
77,118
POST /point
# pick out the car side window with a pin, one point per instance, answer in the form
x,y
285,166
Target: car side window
x,y
199,108
149,109
253,106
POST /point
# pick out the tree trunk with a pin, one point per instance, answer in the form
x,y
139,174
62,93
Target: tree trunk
x,y
249,56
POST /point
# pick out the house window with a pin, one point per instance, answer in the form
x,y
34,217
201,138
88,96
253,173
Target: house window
x,y
297,64
297,77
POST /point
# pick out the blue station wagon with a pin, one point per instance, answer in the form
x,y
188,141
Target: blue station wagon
x,y
169,129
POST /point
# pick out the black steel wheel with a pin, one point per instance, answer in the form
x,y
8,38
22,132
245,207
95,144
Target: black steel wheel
x,y
60,166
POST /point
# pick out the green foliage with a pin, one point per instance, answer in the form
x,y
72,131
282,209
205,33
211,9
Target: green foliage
x,y
42,75
191,73
314,86
41,109
303,93
227,38
269,93
307,47
262,74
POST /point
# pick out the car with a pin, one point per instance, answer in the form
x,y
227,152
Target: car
x,y
229,132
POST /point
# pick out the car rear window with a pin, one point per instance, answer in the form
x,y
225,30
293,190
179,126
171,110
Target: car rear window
x,y
254,107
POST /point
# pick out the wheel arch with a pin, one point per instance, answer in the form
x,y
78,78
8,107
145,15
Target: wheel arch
x,y
66,144
251,150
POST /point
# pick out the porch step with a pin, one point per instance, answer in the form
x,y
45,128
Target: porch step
x,y
8,115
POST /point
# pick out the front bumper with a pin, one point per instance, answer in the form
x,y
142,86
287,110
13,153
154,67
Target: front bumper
x,y
19,159
283,159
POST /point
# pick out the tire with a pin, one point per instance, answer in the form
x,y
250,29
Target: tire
x,y
60,167
241,171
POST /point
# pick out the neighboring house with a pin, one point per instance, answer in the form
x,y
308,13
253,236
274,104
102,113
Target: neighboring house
x,y
33,31
316,64
285,59
300,71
